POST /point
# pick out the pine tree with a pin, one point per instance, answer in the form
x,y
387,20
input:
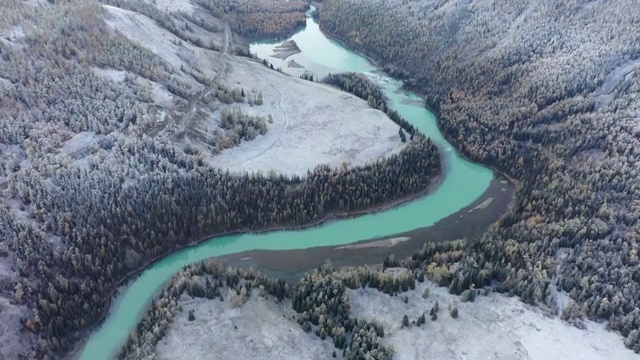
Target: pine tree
x,y
405,321
454,313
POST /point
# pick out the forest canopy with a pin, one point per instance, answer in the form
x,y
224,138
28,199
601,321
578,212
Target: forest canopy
x,y
546,93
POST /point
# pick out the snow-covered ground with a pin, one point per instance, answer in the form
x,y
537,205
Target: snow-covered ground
x,y
110,74
492,327
312,124
175,5
259,329
12,339
145,32
78,141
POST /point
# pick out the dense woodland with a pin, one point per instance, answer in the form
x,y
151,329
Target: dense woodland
x,y
74,225
547,92
362,87
259,19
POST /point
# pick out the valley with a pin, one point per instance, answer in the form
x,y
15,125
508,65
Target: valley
x,y
174,169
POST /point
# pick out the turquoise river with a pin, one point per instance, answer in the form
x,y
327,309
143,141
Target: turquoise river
x,y
463,184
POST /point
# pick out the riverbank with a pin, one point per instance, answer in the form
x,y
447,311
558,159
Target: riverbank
x,y
460,184
132,276
419,92
470,223
423,103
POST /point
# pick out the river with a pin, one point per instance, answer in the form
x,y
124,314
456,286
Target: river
x,y
463,183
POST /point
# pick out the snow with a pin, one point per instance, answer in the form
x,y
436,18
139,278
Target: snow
x,y
174,5
161,96
145,32
110,74
312,124
492,327
6,84
78,142
12,339
259,329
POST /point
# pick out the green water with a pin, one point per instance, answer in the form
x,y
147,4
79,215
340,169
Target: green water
x,y
463,184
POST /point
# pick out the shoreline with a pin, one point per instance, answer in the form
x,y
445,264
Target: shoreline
x,y
82,335
371,60
291,264
437,114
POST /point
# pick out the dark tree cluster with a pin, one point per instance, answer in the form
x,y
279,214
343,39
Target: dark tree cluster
x,y
564,127
360,86
321,299
308,76
246,127
261,19
364,88
365,343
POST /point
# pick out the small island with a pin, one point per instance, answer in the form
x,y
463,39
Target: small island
x,y
286,49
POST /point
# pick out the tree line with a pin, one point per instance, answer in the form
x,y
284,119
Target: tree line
x,y
320,297
263,19
165,209
362,87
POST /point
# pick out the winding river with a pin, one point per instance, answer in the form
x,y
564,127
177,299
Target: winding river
x,y
463,184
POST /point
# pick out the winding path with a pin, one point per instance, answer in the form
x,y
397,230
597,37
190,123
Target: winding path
x,y
286,119
185,121
187,118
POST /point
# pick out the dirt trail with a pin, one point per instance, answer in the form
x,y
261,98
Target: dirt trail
x,y
284,127
187,118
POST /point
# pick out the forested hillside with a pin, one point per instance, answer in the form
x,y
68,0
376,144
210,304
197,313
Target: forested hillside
x,y
96,179
259,19
547,92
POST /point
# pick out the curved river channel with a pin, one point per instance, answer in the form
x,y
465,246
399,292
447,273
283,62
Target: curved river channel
x,y
463,184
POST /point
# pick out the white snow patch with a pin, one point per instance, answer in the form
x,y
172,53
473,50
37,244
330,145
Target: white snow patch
x,y
5,265
161,96
110,74
492,327
312,124
259,329
145,32
6,83
16,33
78,141
174,5
13,340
